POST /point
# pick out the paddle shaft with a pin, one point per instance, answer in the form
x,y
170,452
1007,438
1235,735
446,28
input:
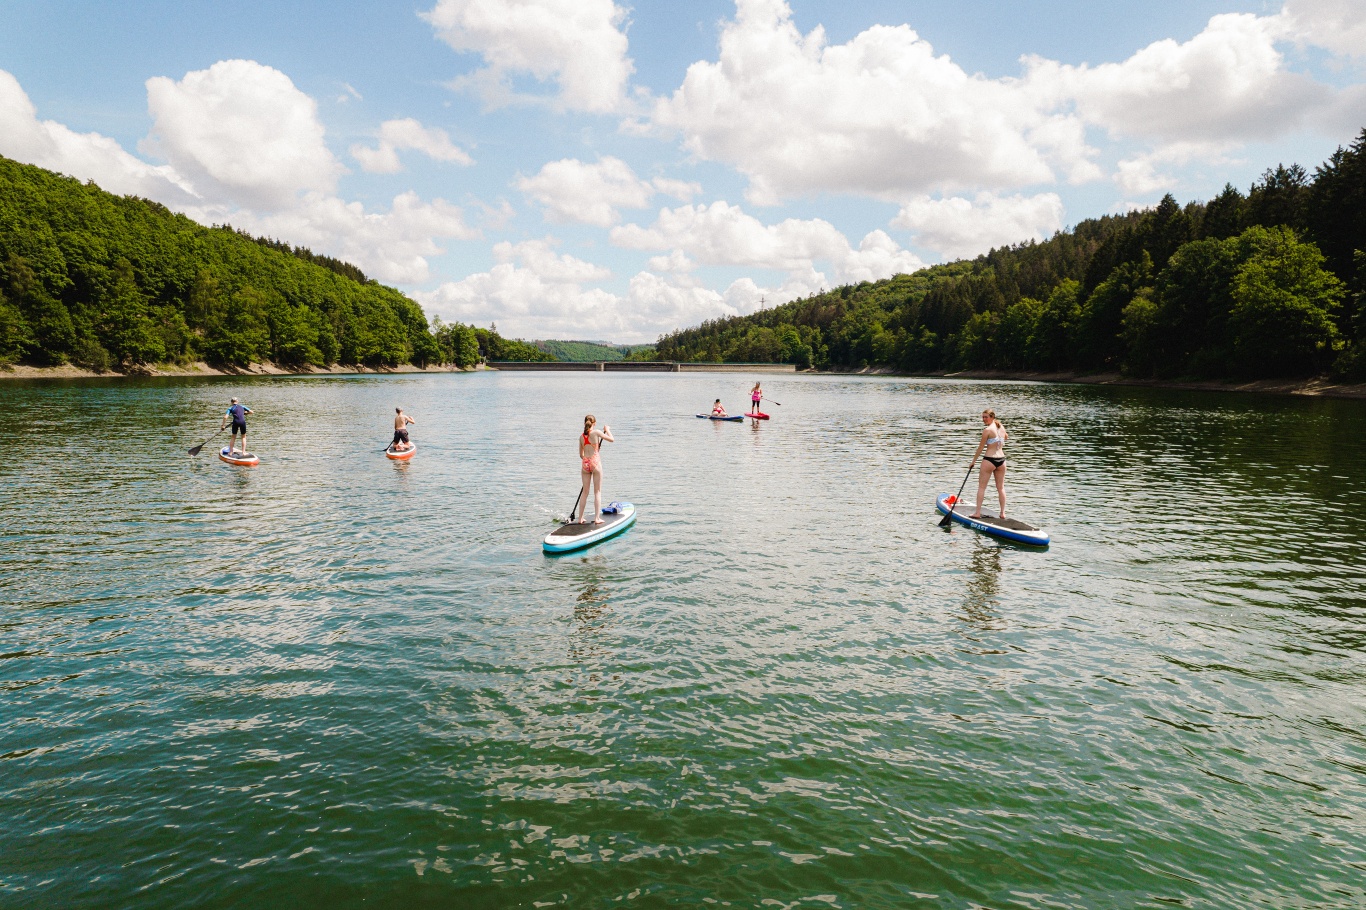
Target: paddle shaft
x,y
771,401
199,448
948,519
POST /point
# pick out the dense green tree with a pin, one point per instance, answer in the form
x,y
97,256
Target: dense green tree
x,y
15,335
1283,301
1100,322
125,322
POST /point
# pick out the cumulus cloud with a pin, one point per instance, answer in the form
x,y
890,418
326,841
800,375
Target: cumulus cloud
x,y
577,44
1227,84
572,191
241,132
723,234
208,184
532,291
880,115
396,136
1336,25
959,228
391,246
88,156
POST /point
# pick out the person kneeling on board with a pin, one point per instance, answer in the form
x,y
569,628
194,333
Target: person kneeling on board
x,y
401,421
237,413
717,410
589,445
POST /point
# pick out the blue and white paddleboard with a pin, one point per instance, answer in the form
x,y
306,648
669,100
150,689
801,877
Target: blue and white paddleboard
x,y
714,417
1005,528
570,536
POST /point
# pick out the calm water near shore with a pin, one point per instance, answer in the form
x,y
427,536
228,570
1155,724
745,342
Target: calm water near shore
x,y
336,681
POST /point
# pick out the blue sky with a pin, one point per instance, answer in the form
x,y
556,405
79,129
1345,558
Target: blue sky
x,y
589,169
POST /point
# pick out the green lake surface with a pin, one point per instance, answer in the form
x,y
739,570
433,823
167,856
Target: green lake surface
x,y
335,680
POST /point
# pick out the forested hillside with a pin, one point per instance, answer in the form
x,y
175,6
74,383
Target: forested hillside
x,y
1267,284
105,281
586,351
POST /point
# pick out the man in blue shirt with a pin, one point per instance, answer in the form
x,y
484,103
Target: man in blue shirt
x,y
238,415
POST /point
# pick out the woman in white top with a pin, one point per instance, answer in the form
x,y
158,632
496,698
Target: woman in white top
x,y
992,449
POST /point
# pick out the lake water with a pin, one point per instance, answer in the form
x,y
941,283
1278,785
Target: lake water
x,y
334,680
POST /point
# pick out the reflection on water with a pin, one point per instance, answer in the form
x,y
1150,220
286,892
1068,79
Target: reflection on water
x,y
982,603
336,675
592,611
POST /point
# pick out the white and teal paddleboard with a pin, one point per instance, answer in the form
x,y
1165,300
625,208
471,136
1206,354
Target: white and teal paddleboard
x,y
572,536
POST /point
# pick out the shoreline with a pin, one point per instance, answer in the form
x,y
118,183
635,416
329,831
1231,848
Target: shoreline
x,y
1316,387
199,368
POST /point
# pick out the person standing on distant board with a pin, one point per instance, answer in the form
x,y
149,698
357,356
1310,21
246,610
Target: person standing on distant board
x,y
992,449
401,421
237,413
590,444
756,395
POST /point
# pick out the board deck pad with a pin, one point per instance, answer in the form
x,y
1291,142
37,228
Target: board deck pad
x,y
571,530
987,518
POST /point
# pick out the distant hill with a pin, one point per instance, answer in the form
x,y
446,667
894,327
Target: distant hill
x,y
585,351
109,282
1267,284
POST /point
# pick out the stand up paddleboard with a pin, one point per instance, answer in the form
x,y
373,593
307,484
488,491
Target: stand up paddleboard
x,y
757,416
570,536
1005,528
243,459
714,417
401,456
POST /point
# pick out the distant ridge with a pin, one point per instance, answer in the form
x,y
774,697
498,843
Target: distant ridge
x,y
585,351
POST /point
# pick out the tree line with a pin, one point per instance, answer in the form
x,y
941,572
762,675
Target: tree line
x,y
114,282
1271,283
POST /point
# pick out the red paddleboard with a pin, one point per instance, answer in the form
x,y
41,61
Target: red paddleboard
x,y
757,416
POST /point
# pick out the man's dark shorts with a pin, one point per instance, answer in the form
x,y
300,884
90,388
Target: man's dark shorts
x,y
239,428
400,436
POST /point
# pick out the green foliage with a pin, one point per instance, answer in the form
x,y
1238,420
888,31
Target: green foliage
x,y
15,335
586,351
107,281
1283,300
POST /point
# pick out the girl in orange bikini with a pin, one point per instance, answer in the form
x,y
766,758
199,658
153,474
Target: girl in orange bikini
x,y
992,449
589,444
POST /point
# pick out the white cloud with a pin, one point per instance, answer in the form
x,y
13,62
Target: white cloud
x,y
534,292
242,133
959,228
88,156
574,192
722,234
577,44
1336,25
398,135
880,115
1228,84
1139,177
390,246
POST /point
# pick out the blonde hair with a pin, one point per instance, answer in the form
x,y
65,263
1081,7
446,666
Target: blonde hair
x,y
588,422
990,412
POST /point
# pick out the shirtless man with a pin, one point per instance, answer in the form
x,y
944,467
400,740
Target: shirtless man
x,y
237,413
401,421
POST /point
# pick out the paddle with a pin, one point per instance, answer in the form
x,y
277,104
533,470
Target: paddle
x,y
196,450
953,503
771,401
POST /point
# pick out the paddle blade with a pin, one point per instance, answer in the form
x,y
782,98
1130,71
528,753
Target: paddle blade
x,y
946,521
196,450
